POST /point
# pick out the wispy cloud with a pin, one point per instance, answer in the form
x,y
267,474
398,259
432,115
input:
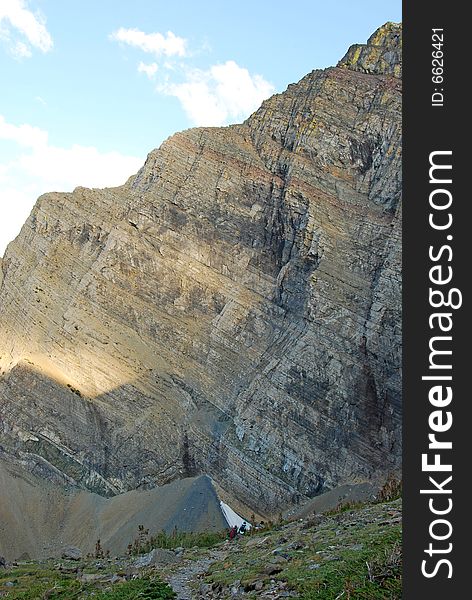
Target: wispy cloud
x,y
152,43
24,135
16,20
38,167
149,69
222,93
210,97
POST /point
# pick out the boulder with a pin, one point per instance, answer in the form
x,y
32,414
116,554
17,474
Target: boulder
x,y
71,553
158,556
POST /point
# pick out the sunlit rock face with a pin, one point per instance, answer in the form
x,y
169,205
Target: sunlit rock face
x,y
233,309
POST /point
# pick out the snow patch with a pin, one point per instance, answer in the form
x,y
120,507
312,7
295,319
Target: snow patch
x,y
232,518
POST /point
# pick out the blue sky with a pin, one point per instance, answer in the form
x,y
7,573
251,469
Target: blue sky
x,y
89,87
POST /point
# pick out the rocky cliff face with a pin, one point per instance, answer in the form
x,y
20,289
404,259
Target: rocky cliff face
x,y
233,309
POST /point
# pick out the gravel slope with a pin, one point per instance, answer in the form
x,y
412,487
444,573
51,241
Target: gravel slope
x,y
40,519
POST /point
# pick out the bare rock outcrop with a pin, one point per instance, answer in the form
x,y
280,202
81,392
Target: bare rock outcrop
x,y
233,309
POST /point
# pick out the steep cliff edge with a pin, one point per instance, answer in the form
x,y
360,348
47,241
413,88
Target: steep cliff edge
x,y
233,309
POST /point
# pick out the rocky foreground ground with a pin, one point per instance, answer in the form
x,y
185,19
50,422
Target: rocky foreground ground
x,y
349,553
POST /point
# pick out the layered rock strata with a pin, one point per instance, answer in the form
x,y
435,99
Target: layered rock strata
x,y
233,309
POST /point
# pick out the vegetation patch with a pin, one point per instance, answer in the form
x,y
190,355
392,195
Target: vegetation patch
x,y
34,582
144,542
352,553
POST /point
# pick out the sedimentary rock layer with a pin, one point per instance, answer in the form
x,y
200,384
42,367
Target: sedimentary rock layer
x,y
233,309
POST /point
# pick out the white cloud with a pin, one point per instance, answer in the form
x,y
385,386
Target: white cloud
x,y
222,93
38,167
21,50
16,19
212,97
152,43
200,104
62,169
24,135
149,69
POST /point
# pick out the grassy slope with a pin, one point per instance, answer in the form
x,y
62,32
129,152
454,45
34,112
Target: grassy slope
x,y
36,581
355,554
351,554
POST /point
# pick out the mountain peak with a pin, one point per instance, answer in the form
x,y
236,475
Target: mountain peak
x,y
381,55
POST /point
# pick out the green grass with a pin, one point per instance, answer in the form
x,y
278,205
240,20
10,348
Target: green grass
x,y
354,554
176,539
145,589
39,583
362,575
344,507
